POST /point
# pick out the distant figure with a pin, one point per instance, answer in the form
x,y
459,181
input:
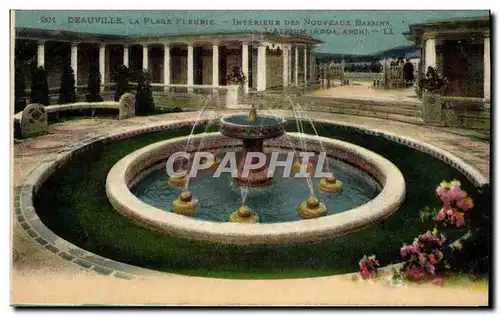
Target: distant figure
x,y
408,73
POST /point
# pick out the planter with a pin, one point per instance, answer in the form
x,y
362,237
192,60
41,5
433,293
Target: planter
x,y
432,108
232,95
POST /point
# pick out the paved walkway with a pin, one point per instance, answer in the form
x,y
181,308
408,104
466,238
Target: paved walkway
x,y
34,267
364,90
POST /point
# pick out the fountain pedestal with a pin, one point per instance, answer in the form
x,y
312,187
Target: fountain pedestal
x,y
256,177
252,130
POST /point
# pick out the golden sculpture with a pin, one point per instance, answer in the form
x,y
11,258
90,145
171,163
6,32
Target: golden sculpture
x,y
185,204
330,185
252,116
312,208
244,216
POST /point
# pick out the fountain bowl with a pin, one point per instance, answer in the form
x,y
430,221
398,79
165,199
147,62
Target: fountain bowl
x,y
264,127
131,169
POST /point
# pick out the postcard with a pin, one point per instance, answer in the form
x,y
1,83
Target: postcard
x,y
251,158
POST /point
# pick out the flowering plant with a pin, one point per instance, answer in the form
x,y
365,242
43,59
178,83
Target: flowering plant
x,y
456,202
432,81
368,267
236,76
423,256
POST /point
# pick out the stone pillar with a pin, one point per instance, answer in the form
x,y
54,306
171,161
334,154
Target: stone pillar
x,y
296,79
487,68
125,55
102,65
305,64
190,74
285,66
74,61
244,66
145,57
190,65
166,66
40,57
289,64
430,53
261,68
215,65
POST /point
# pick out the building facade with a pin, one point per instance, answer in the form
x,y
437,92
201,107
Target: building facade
x,y
268,60
460,50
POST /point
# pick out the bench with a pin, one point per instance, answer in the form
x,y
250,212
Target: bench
x,y
33,120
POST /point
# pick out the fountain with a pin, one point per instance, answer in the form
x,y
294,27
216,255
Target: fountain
x,y
252,130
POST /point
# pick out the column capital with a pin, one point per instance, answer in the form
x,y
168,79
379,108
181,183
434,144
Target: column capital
x,y
41,42
429,35
74,44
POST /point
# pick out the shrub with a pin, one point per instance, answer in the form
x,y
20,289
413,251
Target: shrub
x,y
122,81
67,92
236,76
432,81
94,85
144,103
19,93
39,87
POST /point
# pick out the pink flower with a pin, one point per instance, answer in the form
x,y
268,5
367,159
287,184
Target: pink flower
x,y
432,259
458,219
430,268
365,274
406,250
465,204
422,259
441,215
415,273
455,193
449,211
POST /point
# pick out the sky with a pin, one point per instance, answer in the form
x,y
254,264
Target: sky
x,y
343,32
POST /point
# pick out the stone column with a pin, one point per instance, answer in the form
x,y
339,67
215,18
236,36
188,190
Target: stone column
x,y
296,79
190,65
261,68
74,61
244,66
305,64
145,57
430,53
102,65
285,66
125,55
215,64
40,57
289,64
166,66
487,68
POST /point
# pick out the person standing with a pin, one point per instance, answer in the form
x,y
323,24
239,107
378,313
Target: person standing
x,y
408,73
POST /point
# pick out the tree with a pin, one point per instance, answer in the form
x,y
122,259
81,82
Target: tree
x,y
122,85
94,85
39,87
19,94
144,103
67,92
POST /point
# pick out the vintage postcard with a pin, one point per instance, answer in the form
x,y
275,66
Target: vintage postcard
x,y
251,158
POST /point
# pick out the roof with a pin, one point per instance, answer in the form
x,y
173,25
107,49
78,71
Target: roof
x,y
480,23
63,35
